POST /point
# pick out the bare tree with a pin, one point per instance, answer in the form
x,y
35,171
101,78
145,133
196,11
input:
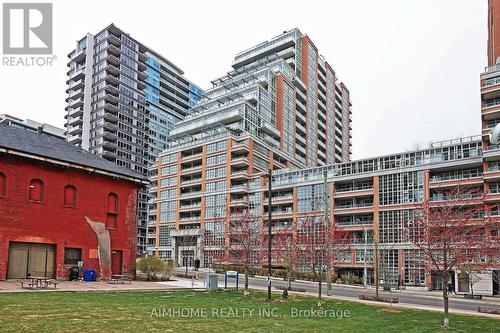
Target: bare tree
x,y
449,234
287,252
381,270
244,241
321,246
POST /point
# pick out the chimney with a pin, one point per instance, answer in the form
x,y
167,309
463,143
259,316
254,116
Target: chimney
x,y
40,130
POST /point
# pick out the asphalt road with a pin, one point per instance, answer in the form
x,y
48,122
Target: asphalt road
x,y
428,301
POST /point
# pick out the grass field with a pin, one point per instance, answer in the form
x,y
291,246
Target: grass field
x,y
188,311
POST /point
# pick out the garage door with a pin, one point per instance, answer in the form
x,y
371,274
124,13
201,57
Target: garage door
x,y
31,259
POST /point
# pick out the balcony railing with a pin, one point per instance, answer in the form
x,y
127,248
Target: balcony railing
x,y
192,168
354,223
491,82
189,218
194,205
240,187
185,194
192,156
492,68
358,241
355,187
282,212
192,180
465,196
438,178
356,205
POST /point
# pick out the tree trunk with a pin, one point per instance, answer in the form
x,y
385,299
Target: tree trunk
x,y
186,274
246,280
319,286
444,285
289,282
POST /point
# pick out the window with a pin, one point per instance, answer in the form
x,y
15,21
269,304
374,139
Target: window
x,y
3,185
37,190
164,235
72,256
112,210
70,196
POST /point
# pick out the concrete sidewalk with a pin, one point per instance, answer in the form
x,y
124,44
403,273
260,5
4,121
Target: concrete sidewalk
x,y
15,286
494,300
379,304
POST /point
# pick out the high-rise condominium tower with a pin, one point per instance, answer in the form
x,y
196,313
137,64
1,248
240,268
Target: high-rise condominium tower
x,y
123,99
490,84
280,107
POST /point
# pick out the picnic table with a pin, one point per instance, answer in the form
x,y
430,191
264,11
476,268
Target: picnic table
x,y
120,278
38,282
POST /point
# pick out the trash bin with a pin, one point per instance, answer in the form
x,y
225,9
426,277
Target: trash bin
x,y
213,282
89,275
74,273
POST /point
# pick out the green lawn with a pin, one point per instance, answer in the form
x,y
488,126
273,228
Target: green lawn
x,y
187,311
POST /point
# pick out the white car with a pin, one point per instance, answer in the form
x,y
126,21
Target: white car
x,y
232,274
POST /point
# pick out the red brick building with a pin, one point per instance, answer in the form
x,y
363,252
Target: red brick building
x,y
60,205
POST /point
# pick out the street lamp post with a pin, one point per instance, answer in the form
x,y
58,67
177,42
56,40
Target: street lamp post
x,y
327,221
269,233
365,272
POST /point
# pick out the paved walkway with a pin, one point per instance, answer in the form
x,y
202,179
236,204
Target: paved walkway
x,y
15,286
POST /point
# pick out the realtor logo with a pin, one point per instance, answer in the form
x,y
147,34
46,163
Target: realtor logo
x,y
27,28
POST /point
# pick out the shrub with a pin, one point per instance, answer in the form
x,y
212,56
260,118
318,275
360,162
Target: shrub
x,y
151,266
356,280
168,269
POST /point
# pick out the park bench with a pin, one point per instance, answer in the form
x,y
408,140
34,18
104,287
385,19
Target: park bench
x,y
120,278
28,284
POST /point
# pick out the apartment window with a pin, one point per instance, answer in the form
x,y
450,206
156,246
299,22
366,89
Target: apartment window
x,y
168,170
112,210
165,194
360,256
215,205
389,262
392,223
214,233
70,196
399,188
72,256
164,235
310,198
3,185
216,186
168,181
167,211
414,267
37,191
165,255
216,173
216,146
494,188
217,159
168,158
